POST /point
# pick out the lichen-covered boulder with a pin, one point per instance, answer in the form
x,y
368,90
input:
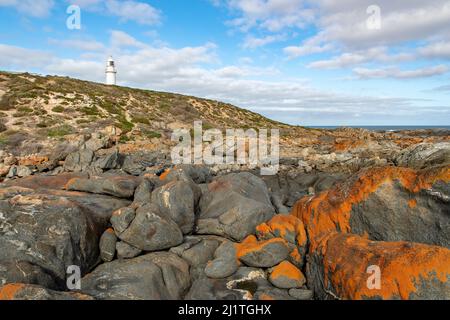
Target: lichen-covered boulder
x,y
341,267
262,254
21,291
233,205
286,276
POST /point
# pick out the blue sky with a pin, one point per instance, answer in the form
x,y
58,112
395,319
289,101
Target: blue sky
x,y
303,62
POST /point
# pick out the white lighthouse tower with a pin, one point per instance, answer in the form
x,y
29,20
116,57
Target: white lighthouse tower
x,y
111,72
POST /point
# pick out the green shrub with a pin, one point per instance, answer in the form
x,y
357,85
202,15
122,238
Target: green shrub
x,y
60,131
58,109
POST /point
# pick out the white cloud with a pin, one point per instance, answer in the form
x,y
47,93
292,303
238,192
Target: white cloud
x,y
129,10
33,8
79,44
253,42
379,54
18,58
436,50
126,10
121,39
394,72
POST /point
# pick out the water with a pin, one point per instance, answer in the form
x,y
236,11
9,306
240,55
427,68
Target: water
x,y
385,128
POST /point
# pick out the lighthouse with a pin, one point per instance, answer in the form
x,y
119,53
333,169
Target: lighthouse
x,y
111,72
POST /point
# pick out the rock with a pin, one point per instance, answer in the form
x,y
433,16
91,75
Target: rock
x,y
10,160
225,262
301,294
20,291
143,193
126,251
387,204
108,245
108,161
117,186
45,233
4,169
177,200
155,276
122,218
273,294
339,268
242,285
79,161
136,163
262,254
152,231
287,276
234,205
19,171
290,229
424,155
97,142
197,173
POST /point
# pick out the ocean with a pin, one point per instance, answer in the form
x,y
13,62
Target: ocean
x,y
385,128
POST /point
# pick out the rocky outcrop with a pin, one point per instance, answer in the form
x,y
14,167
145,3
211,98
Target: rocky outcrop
x,y
424,155
386,204
117,186
339,265
363,223
233,205
155,276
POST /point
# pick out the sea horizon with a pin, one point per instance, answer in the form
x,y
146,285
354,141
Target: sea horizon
x,y
386,127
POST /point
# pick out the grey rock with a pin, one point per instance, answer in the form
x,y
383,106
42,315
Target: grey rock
x,y
424,155
122,218
108,161
273,294
46,233
27,292
152,231
155,276
301,294
225,262
233,206
117,186
177,200
136,163
126,251
97,142
107,245
143,192
79,161
266,256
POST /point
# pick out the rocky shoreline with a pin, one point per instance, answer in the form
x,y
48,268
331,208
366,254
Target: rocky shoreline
x,y
140,228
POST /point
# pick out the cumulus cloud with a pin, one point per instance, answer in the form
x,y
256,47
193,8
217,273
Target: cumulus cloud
x,y
252,42
127,10
364,73
33,8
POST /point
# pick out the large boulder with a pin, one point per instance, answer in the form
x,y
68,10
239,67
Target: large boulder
x,y
424,155
152,230
45,234
233,205
177,200
387,204
20,291
155,276
262,254
340,268
118,186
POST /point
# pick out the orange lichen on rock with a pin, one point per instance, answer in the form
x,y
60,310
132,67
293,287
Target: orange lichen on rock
x,y
251,244
283,226
9,291
412,203
405,267
110,230
330,211
163,176
289,271
345,145
32,160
